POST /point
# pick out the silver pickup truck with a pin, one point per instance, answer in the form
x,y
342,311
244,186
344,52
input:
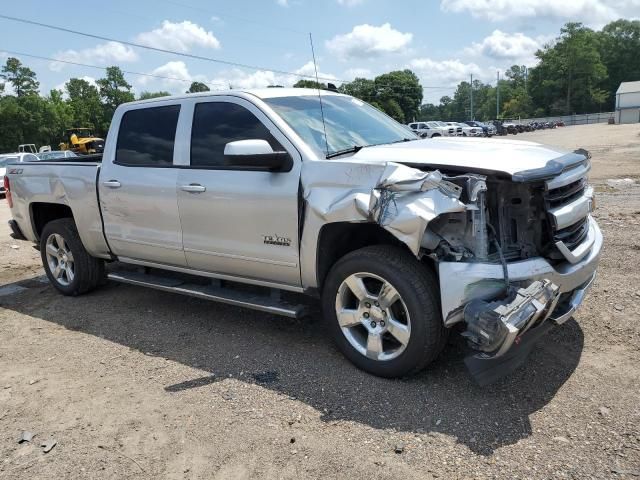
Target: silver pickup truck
x,y
243,196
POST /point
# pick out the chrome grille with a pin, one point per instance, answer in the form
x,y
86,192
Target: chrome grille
x,y
573,235
566,194
568,203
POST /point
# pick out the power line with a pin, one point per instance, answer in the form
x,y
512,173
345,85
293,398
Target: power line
x,y
192,56
160,50
152,75
164,77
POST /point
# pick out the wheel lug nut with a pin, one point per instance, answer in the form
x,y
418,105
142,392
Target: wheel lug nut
x,y
367,304
377,304
365,314
373,324
382,323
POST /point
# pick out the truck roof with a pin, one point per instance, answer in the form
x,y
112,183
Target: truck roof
x,y
261,93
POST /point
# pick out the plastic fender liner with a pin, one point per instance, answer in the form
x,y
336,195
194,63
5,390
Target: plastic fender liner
x,y
485,371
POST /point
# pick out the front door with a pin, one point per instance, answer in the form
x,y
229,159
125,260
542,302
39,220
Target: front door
x,y
138,188
238,222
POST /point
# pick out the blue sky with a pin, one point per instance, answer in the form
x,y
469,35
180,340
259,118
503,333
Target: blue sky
x,y
443,41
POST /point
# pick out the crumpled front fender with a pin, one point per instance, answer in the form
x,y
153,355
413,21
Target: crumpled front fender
x,y
401,199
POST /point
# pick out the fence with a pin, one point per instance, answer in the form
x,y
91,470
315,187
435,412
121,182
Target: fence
x,y
583,119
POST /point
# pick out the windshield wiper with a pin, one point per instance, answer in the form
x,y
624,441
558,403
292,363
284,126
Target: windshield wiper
x,y
354,149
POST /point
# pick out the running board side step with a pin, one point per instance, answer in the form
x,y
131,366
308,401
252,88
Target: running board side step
x,y
264,303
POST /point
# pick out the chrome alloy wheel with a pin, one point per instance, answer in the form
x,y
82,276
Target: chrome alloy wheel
x,y
372,316
60,259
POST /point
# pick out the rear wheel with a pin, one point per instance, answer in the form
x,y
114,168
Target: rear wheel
x,y
382,309
69,267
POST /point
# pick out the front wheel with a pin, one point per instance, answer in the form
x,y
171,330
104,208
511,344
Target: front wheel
x,y
69,267
382,309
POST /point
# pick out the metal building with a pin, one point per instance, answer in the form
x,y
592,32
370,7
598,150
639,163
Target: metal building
x,y
628,102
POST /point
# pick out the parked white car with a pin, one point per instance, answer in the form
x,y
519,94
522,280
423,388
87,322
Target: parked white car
x,y
56,155
8,158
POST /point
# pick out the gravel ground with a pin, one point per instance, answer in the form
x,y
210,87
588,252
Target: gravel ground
x,y
137,383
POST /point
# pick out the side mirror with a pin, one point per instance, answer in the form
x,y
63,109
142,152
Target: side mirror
x,y
256,155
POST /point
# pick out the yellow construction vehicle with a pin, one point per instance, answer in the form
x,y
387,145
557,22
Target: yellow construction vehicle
x,y
82,141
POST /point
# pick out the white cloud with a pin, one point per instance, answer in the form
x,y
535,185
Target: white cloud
x,y
237,78
358,73
181,37
179,78
350,3
366,41
595,12
441,77
283,3
443,72
61,86
100,54
309,70
176,72
513,47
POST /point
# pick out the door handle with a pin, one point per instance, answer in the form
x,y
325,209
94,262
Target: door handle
x,y
194,188
112,184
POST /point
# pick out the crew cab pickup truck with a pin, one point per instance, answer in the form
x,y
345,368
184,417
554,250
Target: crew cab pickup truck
x,y
403,239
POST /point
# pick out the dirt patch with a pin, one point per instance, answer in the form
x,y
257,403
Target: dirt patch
x,y
141,384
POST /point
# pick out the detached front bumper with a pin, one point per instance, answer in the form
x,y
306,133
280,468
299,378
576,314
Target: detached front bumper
x,y
462,282
468,288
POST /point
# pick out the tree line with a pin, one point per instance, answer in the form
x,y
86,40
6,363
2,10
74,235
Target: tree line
x,y
578,72
28,117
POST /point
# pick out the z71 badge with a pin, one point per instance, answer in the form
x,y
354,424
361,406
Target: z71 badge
x,y
276,240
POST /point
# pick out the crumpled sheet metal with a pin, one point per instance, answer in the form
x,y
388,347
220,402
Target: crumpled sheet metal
x,y
401,199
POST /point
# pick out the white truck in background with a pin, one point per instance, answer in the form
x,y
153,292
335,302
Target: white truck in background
x,y
432,129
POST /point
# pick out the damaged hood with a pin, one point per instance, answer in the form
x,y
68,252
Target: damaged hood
x,y
511,157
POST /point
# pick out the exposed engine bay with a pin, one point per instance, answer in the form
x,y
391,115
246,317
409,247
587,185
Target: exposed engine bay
x,y
502,218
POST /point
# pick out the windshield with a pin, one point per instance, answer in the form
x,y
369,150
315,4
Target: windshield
x,y
433,124
5,160
349,122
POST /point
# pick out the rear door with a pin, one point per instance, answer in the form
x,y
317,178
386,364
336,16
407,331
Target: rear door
x,y
137,187
234,221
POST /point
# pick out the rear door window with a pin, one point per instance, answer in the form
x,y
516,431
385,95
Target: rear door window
x,y
147,136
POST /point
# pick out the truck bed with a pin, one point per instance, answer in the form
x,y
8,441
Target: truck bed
x,y
70,183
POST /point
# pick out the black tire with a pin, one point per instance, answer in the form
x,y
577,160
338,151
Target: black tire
x,y
436,135
88,271
417,285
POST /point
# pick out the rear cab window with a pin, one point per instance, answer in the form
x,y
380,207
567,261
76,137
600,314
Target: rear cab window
x,y
146,137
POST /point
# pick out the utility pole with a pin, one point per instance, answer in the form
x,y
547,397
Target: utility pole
x,y
471,97
498,96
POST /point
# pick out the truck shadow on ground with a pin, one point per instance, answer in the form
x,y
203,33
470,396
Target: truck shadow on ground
x,y
297,359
